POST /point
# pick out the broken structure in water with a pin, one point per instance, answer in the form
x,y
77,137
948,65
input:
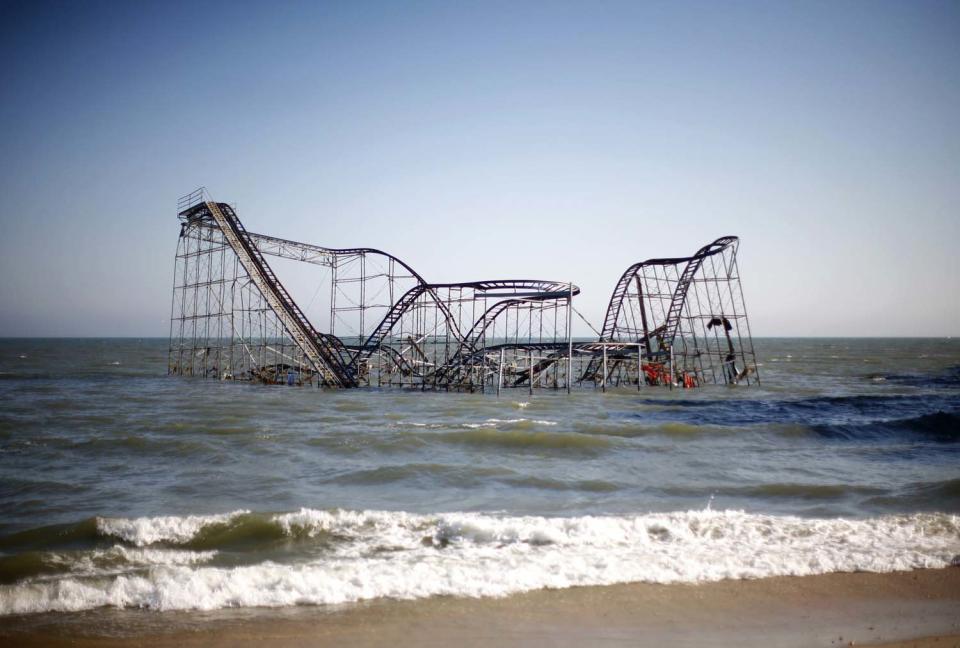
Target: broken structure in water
x,y
678,321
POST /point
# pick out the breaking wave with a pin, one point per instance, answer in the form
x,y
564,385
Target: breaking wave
x,y
340,556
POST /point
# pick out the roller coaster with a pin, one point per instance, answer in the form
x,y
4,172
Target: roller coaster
x,y
676,322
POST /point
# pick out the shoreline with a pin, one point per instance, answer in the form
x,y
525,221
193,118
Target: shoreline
x,y
919,608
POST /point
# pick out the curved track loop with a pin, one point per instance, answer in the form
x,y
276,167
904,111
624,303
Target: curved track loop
x,y
468,350
693,264
664,332
397,311
510,290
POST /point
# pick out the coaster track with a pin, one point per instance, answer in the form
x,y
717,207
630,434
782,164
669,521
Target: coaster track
x,y
326,353
232,317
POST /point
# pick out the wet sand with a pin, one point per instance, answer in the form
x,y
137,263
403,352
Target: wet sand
x,y
920,608
924,642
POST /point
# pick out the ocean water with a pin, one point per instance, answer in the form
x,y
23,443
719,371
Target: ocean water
x,y
122,487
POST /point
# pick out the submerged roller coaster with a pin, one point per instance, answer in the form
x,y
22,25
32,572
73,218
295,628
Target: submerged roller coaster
x,y
677,322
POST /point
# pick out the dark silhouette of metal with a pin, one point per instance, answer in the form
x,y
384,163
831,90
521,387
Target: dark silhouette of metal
x,y
689,316
677,322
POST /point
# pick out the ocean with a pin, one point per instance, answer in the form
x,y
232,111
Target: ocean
x,y
122,487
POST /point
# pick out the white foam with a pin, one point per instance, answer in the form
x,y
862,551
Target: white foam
x,y
495,421
119,559
154,557
171,528
474,554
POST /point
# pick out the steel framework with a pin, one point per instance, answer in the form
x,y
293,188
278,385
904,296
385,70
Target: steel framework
x,y
672,322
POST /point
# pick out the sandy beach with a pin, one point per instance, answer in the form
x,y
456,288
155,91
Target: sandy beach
x,y
920,608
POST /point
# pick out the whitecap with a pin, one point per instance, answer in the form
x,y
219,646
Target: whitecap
x,y
477,554
171,528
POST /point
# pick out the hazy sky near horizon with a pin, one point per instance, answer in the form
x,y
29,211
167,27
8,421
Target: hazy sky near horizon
x,y
483,140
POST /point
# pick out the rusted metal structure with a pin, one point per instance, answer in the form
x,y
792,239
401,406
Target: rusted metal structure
x,y
672,322
688,316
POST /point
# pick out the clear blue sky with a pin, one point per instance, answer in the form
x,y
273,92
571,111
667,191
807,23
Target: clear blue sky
x,y
480,140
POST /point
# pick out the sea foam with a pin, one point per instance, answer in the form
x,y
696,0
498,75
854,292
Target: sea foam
x,y
406,555
171,528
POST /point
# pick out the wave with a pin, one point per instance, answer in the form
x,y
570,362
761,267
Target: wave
x,y
791,491
362,555
949,377
743,411
463,476
547,483
941,495
25,375
674,429
940,426
192,530
845,417
98,563
55,535
171,528
525,439
949,488
429,473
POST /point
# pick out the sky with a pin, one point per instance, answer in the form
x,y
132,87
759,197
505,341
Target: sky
x,y
552,140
